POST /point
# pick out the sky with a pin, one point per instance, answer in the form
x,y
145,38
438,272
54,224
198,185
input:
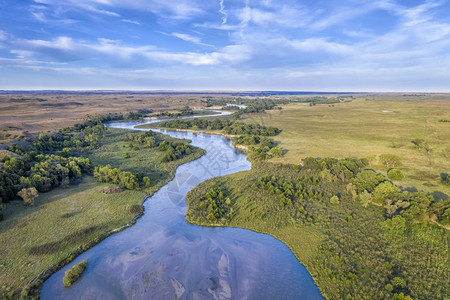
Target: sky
x,y
295,45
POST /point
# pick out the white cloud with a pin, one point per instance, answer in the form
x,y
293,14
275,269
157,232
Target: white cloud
x,y
223,12
181,9
111,52
131,22
187,37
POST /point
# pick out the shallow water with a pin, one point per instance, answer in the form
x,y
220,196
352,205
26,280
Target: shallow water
x,y
164,257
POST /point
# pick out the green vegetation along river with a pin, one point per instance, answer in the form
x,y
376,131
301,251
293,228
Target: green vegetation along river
x,y
164,257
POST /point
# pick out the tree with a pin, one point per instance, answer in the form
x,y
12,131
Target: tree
x,y
334,200
28,195
276,151
398,283
395,174
383,191
146,182
365,198
367,180
74,169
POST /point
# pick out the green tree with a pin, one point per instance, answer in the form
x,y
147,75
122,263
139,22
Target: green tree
x,y
367,180
384,191
395,174
146,181
398,283
28,195
334,200
276,151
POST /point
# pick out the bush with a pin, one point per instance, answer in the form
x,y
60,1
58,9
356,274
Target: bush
x,y
334,200
136,209
395,174
28,195
74,273
111,190
445,177
390,160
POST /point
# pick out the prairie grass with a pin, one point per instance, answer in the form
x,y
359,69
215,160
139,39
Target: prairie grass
x,y
367,129
34,238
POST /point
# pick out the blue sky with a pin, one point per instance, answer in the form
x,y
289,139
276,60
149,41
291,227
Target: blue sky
x,y
320,45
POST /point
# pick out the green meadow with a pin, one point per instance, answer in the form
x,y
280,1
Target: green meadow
x,y
367,128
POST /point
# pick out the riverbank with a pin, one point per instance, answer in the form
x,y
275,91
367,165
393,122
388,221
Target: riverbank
x,y
37,241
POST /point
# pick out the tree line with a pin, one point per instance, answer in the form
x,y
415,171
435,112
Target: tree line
x,y
48,161
173,150
228,126
52,160
123,178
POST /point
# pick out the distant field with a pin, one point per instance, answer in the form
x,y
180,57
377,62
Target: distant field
x,y
369,128
42,112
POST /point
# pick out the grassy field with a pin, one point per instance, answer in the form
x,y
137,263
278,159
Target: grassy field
x,y
34,238
369,128
68,217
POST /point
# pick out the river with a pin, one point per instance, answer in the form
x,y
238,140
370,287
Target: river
x,y
164,257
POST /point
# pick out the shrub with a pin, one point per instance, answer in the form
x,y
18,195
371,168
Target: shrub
x,y
136,209
445,177
74,273
395,174
28,195
111,189
334,200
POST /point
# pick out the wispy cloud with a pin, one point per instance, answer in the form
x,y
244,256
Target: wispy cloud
x,y
187,37
105,51
238,41
131,22
181,9
223,12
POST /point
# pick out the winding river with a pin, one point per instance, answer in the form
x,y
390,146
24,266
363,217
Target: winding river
x,y
164,257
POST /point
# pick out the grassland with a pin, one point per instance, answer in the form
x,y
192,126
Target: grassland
x,y
28,113
64,218
366,128
32,239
